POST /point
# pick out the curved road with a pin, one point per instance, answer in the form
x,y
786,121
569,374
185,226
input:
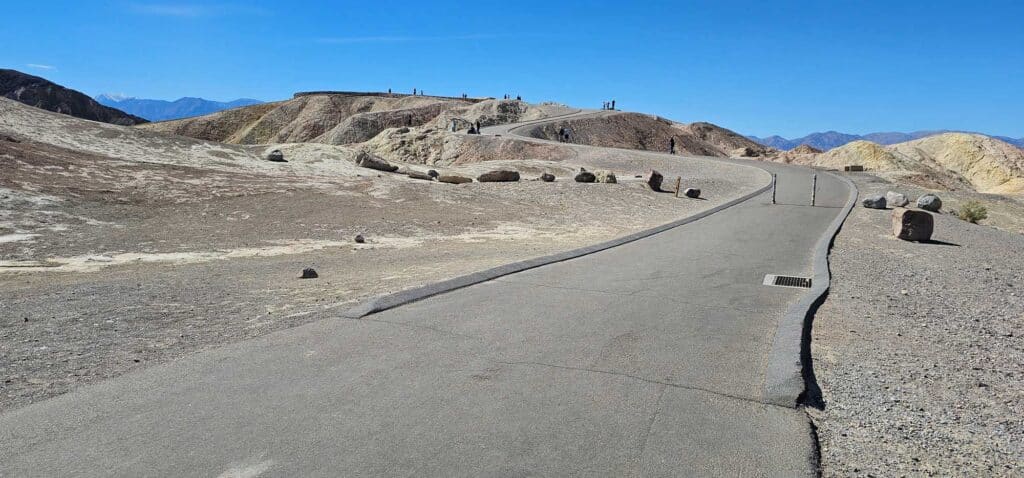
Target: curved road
x,y
659,357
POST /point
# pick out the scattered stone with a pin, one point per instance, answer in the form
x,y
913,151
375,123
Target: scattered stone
x,y
896,199
654,180
875,202
585,177
929,202
11,139
360,239
606,176
433,173
547,177
911,225
419,175
276,156
454,179
498,176
368,160
693,193
309,273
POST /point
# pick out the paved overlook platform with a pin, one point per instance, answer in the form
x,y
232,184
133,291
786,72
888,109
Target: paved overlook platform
x,y
647,359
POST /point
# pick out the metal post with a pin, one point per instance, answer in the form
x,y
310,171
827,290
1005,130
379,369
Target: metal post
x,y
679,181
814,188
775,179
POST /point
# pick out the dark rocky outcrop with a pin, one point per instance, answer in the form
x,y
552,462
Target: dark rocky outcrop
x,y
47,95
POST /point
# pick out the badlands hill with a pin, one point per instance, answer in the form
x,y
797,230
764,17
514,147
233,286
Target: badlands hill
x,y
42,93
651,133
954,161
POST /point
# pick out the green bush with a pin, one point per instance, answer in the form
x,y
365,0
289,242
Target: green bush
x,y
972,211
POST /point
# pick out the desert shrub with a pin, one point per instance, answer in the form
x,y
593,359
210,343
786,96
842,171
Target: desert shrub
x,y
972,211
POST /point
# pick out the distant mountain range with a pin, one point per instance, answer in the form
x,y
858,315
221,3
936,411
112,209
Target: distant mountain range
x,y
44,94
162,110
834,139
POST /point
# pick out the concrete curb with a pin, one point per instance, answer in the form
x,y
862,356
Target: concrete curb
x,y
388,301
784,378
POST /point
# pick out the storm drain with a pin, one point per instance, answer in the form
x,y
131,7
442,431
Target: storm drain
x,y
787,281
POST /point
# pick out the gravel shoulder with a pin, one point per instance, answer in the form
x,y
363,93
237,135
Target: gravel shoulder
x,y
919,348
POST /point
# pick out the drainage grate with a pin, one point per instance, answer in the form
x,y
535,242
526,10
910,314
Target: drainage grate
x,y
787,281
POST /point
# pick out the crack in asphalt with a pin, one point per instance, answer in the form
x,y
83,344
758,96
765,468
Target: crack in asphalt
x,y
644,379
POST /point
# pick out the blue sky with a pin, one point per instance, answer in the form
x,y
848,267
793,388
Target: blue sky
x,y
757,67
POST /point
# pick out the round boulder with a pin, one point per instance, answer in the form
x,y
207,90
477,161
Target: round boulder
x,y
874,202
693,193
276,156
547,177
929,202
585,177
605,176
896,199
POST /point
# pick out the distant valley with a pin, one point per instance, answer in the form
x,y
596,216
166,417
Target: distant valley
x,y
162,110
834,139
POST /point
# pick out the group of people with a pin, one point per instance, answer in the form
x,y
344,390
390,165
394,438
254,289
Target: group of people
x,y
608,105
518,98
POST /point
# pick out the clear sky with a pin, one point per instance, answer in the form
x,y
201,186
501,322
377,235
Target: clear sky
x,y
757,67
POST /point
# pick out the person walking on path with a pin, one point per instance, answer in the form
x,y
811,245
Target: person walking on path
x,y
671,146
613,105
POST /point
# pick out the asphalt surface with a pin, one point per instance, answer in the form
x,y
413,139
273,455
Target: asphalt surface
x,y
645,359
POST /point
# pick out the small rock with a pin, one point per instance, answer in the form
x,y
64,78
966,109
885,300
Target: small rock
x,y
654,179
360,239
309,273
874,202
691,193
605,176
420,175
895,199
454,179
276,156
929,202
498,176
368,160
911,225
585,177
547,177
433,173
11,139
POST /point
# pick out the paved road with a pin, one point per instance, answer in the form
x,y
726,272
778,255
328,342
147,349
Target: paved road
x,y
646,359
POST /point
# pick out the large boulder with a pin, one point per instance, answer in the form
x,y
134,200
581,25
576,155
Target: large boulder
x,y
309,273
499,176
585,177
605,176
547,177
419,175
929,202
276,156
895,199
911,225
654,179
875,202
454,179
692,193
368,160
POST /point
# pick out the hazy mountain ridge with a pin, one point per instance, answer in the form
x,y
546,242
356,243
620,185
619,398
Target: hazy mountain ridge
x,y
163,110
834,139
42,93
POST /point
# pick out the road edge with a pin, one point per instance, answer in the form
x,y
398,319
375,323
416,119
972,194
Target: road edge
x,y
785,382
390,301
